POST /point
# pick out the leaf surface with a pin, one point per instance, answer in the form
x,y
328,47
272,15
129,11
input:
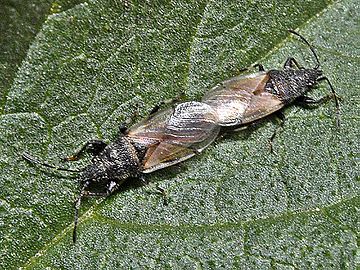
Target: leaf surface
x,y
93,65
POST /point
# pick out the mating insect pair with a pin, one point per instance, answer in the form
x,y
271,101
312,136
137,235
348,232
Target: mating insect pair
x,y
173,135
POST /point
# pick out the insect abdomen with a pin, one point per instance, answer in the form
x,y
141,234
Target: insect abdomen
x,y
185,130
242,99
191,122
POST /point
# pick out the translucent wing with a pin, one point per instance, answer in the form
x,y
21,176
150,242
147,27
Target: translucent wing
x,y
262,104
150,131
242,99
176,134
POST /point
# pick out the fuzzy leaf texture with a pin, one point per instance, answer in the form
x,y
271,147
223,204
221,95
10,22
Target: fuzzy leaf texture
x,y
73,70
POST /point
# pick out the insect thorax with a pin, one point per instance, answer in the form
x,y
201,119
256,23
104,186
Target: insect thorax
x,y
117,162
289,84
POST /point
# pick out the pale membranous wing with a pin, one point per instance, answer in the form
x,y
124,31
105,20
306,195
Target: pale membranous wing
x,y
242,99
175,134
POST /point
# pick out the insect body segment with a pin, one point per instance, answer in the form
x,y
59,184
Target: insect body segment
x,y
289,84
248,98
243,99
116,162
173,135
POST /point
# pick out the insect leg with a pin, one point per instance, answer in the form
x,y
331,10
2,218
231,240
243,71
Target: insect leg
x,y
164,194
96,194
240,128
92,146
145,182
335,97
260,66
123,128
143,179
279,115
291,63
307,102
109,190
165,102
83,193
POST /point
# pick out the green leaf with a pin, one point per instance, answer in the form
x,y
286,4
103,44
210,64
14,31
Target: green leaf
x,y
20,21
93,65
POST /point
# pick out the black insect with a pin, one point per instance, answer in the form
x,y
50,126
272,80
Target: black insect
x,y
247,98
164,138
173,135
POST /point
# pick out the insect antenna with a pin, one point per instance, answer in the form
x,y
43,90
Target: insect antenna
x,y
336,98
310,46
32,159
